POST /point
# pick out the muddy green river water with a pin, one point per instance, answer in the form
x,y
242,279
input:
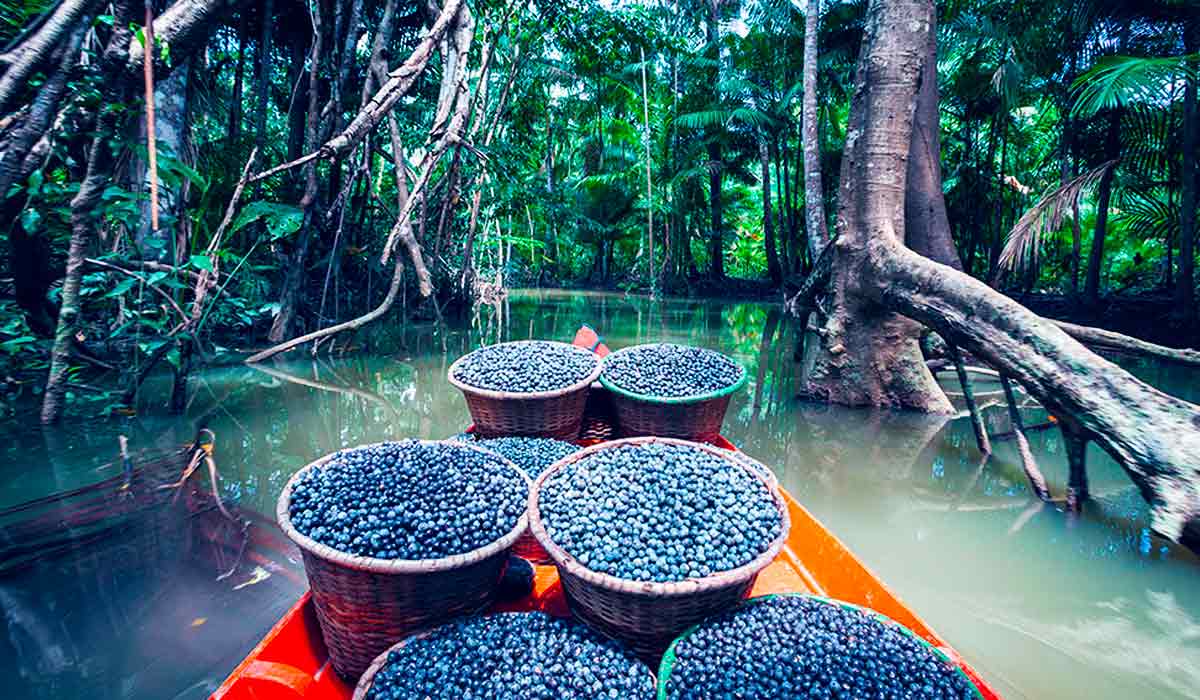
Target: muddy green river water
x,y
160,604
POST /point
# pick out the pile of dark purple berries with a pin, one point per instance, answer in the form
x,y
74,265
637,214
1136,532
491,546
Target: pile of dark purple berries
x,y
794,647
659,512
409,500
665,370
529,453
525,366
512,656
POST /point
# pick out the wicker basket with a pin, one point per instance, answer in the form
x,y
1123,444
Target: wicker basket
x,y
669,658
647,615
553,414
599,415
758,467
364,604
688,417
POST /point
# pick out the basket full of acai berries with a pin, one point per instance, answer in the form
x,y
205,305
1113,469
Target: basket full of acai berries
x,y
535,388
671,390
652,535
398,536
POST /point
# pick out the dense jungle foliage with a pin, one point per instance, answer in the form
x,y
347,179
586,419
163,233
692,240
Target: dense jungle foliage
x,y
650,146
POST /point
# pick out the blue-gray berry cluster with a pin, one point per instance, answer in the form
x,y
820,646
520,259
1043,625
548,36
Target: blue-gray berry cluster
x,y
793,647
666,370
529,453
409,500
658,512
512,656
525,366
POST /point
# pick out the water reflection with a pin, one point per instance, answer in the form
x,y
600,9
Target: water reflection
x,y
1045,604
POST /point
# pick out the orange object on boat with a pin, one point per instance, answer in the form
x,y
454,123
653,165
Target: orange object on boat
x,y
291,662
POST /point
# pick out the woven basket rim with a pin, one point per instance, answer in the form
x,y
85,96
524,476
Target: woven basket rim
x,y
739,456
395,566
368,677
677,400
587,381
720,579
667,665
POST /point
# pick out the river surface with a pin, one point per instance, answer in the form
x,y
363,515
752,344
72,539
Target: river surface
x,y
160,602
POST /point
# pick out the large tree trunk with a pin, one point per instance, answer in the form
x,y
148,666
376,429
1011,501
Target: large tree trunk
x,y
83,221
814,191
1154,436
1185,284
926,225
869,355
289,300
170,133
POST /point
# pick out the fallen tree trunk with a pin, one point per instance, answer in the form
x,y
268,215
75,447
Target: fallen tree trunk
x,y
1155,437
867,356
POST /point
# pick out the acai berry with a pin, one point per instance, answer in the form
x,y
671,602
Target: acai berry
x,y
529,453
409,500
797,647
665,370
525,366
512,656
658,512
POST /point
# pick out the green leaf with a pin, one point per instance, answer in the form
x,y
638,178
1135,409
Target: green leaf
x,y
35,182
156,277
14,346
281,219
124,286
30,218
201,262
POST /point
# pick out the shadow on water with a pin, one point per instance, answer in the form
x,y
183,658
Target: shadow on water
x,y
1045,604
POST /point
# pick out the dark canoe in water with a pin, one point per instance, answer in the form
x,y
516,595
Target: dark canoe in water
x,y
292,663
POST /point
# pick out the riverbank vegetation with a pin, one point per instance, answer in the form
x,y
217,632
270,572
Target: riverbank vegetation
x,y
274,175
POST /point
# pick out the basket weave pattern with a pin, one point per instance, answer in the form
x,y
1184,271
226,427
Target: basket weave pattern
x,y
647,616
554,414
364,605
689,421
599,415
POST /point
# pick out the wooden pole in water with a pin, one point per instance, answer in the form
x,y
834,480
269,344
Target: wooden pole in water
x,y
1036,480
981,436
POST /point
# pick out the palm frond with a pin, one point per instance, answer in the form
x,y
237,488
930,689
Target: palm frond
x,y
1150,214
1118,81
703,119
1025,239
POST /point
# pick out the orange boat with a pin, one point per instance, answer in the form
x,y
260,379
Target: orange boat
x,y
291,662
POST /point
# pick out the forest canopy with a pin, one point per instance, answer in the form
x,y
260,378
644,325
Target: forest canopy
x,y
316,166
